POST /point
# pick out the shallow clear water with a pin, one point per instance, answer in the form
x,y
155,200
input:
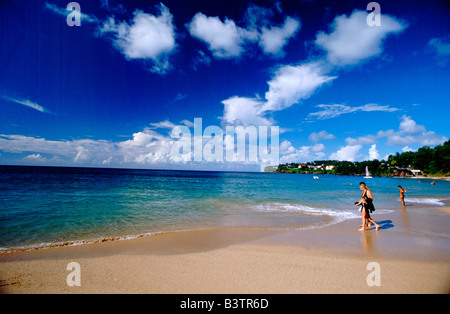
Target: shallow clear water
x,y
52,205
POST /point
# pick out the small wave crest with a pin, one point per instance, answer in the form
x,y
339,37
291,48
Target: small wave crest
x,y
303,209
71,243
427,201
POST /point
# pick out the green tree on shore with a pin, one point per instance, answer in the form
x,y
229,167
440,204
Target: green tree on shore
x,y
431,161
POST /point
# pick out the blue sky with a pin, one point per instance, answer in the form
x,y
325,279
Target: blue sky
x,y
109,92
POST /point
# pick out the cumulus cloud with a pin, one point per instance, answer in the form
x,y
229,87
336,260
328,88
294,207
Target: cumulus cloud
x,y
347,153
429,138
351,40
289,85
407,149
145,148
408,133
411,133
373,152
34,157
409,126
272,40
290,154
226,40
76,150
147,37
244,111
150,148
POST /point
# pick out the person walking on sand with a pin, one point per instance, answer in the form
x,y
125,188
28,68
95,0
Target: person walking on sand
x,y
402,195
366,203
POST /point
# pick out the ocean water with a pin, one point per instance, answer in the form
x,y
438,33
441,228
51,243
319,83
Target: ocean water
x,y
42,205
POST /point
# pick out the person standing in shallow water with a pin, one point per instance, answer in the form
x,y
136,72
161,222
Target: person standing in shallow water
x,y
402,195
367,207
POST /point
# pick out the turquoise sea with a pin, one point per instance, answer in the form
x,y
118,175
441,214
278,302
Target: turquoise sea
x,y
45,205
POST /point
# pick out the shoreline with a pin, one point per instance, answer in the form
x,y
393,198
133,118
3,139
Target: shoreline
x,y
79,243
121,238
75,243
412,248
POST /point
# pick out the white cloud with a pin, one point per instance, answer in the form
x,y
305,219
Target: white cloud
x,y
347,153
322,135
408,133
274,39
373,152
407,149
77,151
289,86
166,124
409,126
27,103
294,83
335,110
224,39
368,139
163,125
245,111
423,139
286,148
147,37
411,133
352,40
146,148
290,154
34,157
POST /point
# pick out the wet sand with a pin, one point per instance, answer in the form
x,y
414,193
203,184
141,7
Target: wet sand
x,y
412,249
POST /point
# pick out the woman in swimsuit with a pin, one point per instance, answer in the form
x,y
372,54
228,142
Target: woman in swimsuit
x,y
402,195
366,207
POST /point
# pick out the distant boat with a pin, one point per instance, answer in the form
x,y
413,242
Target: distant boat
x,y
315,177
368,176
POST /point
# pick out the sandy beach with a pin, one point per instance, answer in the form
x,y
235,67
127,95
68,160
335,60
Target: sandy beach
x,y
411,249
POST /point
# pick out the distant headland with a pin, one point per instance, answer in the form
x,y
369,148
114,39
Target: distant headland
x,y
426,162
